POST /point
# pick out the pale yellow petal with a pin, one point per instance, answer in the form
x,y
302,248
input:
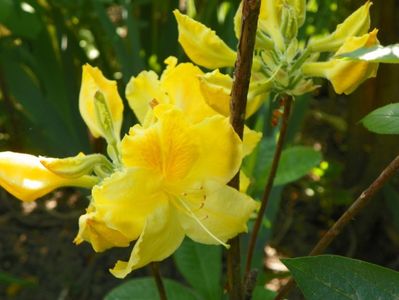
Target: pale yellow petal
x,y
220,150
161,236
202,45
142,92
251,140
357,24
270,20
23,176
93,81
169,147
126,199
244,182
92,229
216,89
181,83
222,210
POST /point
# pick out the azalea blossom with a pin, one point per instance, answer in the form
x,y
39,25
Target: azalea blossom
x,y
173,183
279,59
166,179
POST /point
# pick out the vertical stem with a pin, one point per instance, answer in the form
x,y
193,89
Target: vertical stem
x,y
347,216
242,75
158,280
269,184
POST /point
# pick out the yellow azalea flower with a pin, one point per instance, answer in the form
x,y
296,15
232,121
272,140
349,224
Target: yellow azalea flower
x,y
357,24
174,183
23,176
180,85
100,104
202,45
345,75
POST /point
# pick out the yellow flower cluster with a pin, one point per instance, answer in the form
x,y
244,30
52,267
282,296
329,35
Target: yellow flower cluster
x,y
282,65
168,176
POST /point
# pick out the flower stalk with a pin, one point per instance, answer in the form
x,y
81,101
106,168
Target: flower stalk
x,y
158,281
238,102
269,184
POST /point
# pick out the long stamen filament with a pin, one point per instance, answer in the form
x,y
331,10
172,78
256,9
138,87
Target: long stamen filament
x,y
190,212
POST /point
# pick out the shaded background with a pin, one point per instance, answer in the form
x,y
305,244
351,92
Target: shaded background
x,y
43,45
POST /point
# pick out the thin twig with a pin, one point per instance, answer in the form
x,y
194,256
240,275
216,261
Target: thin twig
x,y
347,216
238,103
269,184
158,280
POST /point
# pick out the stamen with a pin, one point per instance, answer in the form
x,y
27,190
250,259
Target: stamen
x,y
190,212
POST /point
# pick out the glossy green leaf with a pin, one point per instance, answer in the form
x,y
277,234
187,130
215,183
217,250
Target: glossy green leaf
x,y
330,277
201,266
145,289
383,120
380,54
295,162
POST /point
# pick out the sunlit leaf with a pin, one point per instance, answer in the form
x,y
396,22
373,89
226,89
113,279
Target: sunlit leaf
x,y
388,54
330,277
383,120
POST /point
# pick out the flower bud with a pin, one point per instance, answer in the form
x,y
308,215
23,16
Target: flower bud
x,y
23,176
100,104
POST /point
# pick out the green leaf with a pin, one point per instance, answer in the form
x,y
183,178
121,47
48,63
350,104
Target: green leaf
x,y
334,277
201,266
380,54
383,120
295,162
145,289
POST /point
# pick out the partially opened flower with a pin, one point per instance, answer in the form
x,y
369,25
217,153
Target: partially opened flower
x,y
25,177
173,183
344,75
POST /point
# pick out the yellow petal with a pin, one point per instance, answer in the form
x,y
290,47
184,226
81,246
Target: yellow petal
x,y
222,210
161,236
216,88
202,45
93,230
344,75
244,182
220,150
93,81
23,176
181,83
125,199
270,20
168,148
142,91
251,140
357,24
